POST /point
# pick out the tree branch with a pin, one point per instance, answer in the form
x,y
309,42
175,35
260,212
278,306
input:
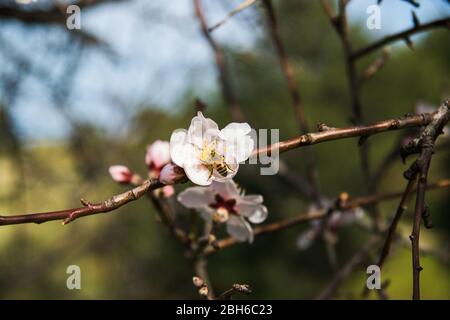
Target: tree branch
x,y
321,213
244,5
329,134
421,167
345,271
88,208
359,53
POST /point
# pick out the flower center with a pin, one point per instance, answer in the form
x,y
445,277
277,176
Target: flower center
x,y
223,208
209,152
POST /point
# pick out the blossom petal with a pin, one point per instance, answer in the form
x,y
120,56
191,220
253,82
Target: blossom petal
x,y
158,154
197,172
238,142
240,229
240,147
171,174
121,173
227,189
196,197
178,146
235,130
201,129
255,212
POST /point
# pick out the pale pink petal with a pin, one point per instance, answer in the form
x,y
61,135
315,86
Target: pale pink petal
x,y
227,189
254,212
201,129
158,154
171,173
196,197
198,173
257,199
238,142
121,173
178,146
241,148
235,130
240,229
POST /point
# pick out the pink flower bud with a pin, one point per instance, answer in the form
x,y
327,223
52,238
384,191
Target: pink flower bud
x,y
158,155
171,174
168,191
121,174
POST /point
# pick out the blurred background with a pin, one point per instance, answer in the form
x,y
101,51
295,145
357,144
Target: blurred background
x,y
72,103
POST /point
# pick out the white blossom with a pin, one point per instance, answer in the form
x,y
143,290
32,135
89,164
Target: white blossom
x,y
208,154
223,203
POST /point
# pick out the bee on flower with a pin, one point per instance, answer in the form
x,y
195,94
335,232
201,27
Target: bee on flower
x,y
208,154
223,203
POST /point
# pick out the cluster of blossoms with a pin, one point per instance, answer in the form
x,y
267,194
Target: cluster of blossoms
x,y
210,158
157,158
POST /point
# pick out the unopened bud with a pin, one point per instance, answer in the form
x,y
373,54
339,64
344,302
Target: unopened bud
x,y
203,291
197,281
121,174
171,174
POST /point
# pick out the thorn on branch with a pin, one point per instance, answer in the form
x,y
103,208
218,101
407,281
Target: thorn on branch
x,y
414,3
415,19
411,172
362,140
409,43
85,202
322,127
412,147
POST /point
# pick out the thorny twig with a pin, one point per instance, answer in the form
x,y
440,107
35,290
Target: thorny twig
x,y
88,208
244,5
359,53
421,167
